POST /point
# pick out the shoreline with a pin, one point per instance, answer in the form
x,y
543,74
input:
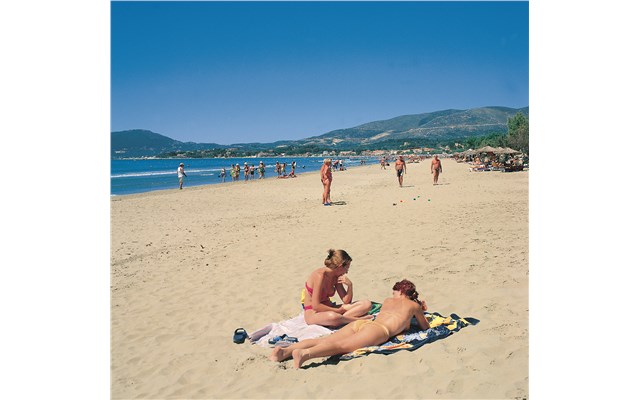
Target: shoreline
x,y
256,178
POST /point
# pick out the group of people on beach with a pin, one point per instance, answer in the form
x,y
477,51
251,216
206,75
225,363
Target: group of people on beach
x,y
360,329
401,168
281,170
249,172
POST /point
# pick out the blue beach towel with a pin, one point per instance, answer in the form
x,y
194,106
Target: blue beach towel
x,y
414,338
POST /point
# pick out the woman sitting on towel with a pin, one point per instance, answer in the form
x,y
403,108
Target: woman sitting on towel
x,y
325,282
394,318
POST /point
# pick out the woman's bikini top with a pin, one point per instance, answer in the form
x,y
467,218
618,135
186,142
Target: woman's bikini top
x,y
324,297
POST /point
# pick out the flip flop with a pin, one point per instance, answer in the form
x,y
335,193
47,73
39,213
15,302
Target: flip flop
x,y
282,338
239,335
288,340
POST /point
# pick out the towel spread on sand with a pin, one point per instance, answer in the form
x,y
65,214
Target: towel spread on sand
x,y
412,339
294,327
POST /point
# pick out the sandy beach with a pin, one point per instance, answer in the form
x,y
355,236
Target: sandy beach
x,y
190,266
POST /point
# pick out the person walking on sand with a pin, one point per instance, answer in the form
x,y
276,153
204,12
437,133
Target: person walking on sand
x,y
394,318
181,174
261,170
326,178
436,169
401,169
252,170
322,284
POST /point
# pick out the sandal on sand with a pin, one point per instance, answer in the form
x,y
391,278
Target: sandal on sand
x,y
239,335
283,338
286,341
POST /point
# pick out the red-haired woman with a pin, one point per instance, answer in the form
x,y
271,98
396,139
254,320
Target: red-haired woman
x,y
394,318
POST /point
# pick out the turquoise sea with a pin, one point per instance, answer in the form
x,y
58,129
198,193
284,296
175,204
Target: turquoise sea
x,y
145,175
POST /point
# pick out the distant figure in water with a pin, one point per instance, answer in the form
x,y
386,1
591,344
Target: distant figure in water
x,y
181,174
223,175
394,318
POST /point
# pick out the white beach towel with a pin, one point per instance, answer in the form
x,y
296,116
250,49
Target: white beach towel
x,y
294,327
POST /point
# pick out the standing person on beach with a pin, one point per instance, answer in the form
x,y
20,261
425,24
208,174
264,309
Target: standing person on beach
x,y
394,318
325,282
246,172
383,163
223,175
278,167
436,169
252,170
401,169
326,178
181,174
261,169
237,172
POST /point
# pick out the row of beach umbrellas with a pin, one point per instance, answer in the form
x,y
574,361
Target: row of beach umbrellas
x,y
489,149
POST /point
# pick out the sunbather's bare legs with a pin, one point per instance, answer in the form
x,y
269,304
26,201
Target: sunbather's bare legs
x,y
331,318
369,335
342,341
283,353
355,311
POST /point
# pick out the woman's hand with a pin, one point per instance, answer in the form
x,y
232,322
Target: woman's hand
x,y
424,305
343,279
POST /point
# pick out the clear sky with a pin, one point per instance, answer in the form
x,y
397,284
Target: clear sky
x,y
238,72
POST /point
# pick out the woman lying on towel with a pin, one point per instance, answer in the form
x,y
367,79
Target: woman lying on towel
x,y
394,318
325,282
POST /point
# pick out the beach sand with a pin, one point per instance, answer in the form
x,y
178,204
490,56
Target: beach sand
x,y
189,267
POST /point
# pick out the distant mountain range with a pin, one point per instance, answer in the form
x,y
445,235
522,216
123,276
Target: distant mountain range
x,y
434,126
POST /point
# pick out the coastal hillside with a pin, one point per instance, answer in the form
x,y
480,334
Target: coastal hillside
x,y
443,125
430,127
145,143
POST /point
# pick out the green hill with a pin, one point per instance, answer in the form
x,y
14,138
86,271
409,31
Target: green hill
x,y
442,125
143,143
423,128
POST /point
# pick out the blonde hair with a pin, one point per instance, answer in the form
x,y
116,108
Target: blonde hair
x,y
327,160
335,258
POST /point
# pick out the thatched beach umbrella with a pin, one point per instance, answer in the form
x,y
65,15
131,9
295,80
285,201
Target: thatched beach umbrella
x,y
486,149
508,150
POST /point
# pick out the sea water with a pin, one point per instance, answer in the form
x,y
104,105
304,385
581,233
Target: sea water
x,y
144,175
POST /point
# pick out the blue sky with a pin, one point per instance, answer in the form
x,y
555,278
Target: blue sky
x,y
238,72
